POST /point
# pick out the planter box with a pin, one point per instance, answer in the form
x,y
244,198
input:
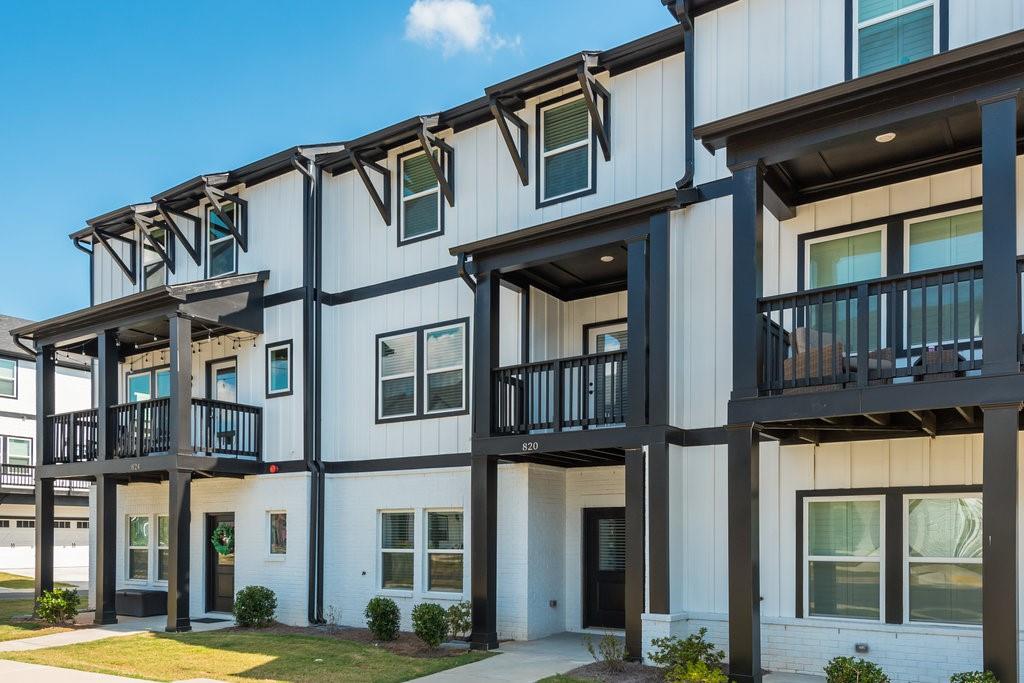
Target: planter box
x,y
134,602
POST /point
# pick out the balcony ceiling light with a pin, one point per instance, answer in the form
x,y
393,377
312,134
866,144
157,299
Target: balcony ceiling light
x,y
885,137
607,259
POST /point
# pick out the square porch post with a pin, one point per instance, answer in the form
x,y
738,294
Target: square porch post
x,y
106,550
46,370
636,502
484,551
180,426
179,518
107,381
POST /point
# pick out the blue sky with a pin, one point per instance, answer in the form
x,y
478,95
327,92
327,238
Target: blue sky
x,y
103,104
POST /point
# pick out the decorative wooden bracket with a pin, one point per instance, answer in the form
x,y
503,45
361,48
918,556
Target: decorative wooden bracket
x,y
383,203
145,224
104,239
429,142
193,246
239,232
519,154
591,91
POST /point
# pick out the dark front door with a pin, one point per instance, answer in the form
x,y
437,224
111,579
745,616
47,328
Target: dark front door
x,y
604,567
220,569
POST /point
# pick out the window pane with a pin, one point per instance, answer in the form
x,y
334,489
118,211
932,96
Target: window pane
x,y
138,564
278,533
398,355
611,544
417,175
897,41
444,390
845,260
870,9
219,229
844,528
565,124
445,348
163,531
222,257
445,572
844,589
396,571
163,383
139,387
421,216
279,361
945,527
444,530
566,172
19,451
946,593
397,531
138,531
397,397
162,564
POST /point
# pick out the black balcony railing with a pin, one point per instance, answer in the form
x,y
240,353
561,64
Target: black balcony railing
x,y
143,428
566,393
24,477
912,327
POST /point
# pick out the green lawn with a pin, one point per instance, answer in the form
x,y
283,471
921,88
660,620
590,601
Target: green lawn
x,y
241,657
561,678
18,582
10,609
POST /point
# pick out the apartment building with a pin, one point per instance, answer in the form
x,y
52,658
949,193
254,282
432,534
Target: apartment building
x,y
543,352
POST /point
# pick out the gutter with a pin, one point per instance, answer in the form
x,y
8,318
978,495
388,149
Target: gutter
x,y
682,12
20,344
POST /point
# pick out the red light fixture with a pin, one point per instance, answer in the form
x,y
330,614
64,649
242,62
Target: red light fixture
x,y
273,469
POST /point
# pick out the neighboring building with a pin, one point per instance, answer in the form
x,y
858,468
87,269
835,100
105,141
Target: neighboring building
x,y
398,365
18,426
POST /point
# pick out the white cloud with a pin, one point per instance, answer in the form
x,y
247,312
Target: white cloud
x,y
454,25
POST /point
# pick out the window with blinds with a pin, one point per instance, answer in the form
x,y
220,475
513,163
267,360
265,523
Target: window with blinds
x,y
444,551
843,557
611,544
894,32
396,357
397,545
566,150
138,548
445,357
422,372
421,198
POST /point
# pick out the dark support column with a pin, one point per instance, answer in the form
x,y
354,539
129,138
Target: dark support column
x,y
46,370
747,239
180,433
106,549
636,502
999,234
106,393
658,298
486,316
999,580
179,511
484,550
744,540
657,528
637,297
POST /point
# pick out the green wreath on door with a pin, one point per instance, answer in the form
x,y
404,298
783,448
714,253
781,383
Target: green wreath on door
x,y
223,539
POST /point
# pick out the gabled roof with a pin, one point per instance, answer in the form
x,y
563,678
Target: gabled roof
x,y
8,348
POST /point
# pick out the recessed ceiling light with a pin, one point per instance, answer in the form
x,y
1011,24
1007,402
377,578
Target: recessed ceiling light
x,y
885,137
607,259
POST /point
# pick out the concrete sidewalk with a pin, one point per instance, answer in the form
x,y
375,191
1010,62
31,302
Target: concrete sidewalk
x,y
522,661
126,627
17,671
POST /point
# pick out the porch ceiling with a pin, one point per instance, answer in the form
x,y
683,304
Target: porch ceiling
x,y
578,275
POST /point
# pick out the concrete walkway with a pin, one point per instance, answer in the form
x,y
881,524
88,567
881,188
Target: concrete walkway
x,y
18,671
127,626
523,661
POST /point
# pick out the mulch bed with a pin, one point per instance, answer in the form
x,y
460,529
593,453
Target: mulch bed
x,y
627,672
407,644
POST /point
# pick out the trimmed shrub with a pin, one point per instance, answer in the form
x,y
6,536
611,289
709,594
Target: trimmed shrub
x,y
850,670
672,652
255,607
609,653
974,677
460,619
430,623
58,607
383,618
695,672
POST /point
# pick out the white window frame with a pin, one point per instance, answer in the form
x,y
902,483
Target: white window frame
x,y
907,560
843,235
381,378
236,218
588,142
859,25
427,372
427,552
381,550
5,359
271,555
129,548
808,558
7,450
157,548
402,239
287,346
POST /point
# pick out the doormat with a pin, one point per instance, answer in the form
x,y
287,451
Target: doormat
x,y
209,620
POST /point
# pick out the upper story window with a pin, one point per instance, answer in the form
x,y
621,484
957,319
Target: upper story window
x,y
17,451
888,33
221,246
154,270
279,369
396,358
433,358
421,212
147,384
445,355
566,151
8,378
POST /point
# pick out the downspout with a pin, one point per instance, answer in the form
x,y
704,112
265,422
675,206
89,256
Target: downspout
x,y
21,345
92,264
464,273
680,11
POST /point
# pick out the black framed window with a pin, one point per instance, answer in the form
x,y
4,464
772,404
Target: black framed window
x,y
887,33
221,245
566,149
8,378
279,369
420,206
153,268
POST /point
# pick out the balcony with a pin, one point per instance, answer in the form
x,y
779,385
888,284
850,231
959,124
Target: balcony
x,y
581,392
24,477
143,428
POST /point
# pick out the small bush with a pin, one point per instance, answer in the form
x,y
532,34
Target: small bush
x,y
610,651
696,672
255,607
430,623
58,607
382,618
672,652
850,670
974,677
460,619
